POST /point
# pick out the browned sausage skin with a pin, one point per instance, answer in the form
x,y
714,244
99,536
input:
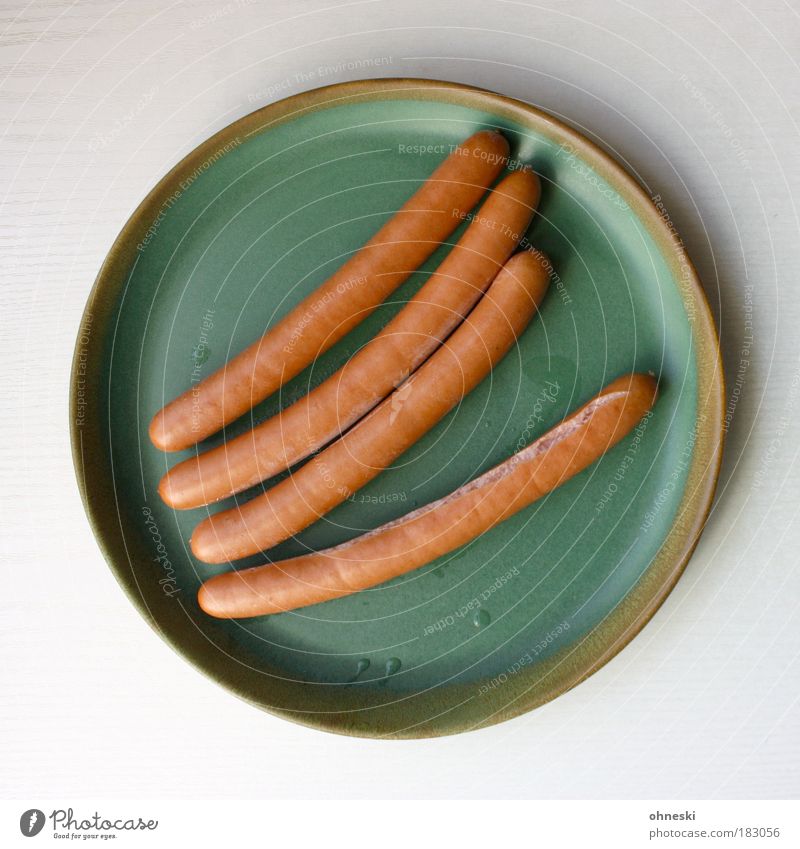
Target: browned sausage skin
x,y
378,368
469,354
344,300
440,527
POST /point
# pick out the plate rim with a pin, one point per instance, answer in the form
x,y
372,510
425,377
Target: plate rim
x,y
647,595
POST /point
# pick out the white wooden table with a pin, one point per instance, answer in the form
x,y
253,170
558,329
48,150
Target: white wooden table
x,y
699,99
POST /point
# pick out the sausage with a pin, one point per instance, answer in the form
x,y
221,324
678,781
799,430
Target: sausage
x,y
442,526
339,304
377,369
483,338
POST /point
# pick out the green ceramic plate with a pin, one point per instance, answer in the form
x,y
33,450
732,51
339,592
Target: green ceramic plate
x,y
257,217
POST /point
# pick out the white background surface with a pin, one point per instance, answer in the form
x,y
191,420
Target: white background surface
x,y
700,100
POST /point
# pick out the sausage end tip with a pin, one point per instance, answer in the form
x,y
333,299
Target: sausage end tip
x,y
202,544
166,493
206,599
157,433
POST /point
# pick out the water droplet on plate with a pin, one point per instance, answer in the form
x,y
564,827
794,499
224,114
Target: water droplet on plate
x,y
361,667
481,618
392,666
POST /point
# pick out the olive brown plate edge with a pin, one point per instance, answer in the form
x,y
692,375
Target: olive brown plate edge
x,y
535,685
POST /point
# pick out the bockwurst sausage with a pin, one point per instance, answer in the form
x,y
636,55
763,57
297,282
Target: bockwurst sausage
x,y
345,299
378,368
470,353
442,526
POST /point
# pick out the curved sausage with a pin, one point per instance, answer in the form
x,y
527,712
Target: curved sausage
x,y
378,368
339,304
442,526
330,477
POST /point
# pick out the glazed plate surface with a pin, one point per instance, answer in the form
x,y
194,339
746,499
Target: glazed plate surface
x,y
256,218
